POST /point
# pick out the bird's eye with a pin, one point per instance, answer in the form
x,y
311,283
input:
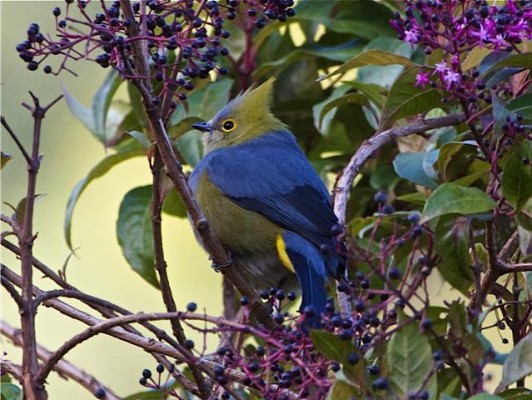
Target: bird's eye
x,y
228,125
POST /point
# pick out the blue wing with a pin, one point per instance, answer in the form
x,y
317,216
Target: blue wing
x,y
271,176
310,269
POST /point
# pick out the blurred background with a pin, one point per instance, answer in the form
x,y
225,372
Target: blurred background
x,y
98,268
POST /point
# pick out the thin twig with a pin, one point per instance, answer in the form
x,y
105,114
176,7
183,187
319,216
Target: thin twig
x,y
12,291
158,349
105,307
175,171
16,140
12,369
366,150
63,367
33,388
160,265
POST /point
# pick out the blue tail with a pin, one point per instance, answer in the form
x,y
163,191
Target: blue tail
x,y
309,266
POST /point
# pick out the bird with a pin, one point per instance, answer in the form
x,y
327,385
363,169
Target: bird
x,y
265,202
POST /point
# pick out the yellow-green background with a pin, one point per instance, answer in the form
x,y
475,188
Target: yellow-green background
x,y
99,269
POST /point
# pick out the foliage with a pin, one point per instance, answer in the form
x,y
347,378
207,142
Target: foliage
x,y
451,203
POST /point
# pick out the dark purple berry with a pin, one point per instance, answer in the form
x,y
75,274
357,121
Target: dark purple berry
x,y
388,209
219,370
426,323
380,383
146,373
189,344
394,273
373,369
32,66
380,197
353,358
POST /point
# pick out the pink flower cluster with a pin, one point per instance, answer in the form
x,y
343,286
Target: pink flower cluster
x,y
459,25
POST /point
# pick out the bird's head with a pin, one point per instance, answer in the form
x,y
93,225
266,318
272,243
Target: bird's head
x,y
247,116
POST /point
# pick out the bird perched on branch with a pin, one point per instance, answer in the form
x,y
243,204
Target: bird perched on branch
x,y
265,202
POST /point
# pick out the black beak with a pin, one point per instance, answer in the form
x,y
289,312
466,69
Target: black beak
x,y
202,126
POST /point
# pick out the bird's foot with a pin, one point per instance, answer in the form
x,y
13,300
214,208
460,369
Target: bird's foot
x,y
218,267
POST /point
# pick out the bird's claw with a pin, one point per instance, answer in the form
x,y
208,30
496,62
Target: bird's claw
x,y
218,267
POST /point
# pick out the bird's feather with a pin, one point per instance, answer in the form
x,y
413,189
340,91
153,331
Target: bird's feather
x,y
310,270
271,176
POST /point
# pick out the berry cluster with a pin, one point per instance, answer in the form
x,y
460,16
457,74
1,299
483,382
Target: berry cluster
x,y
457,27
286,359
184,39
462,24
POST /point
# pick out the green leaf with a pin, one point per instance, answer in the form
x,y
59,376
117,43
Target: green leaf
x,y
452,244
474,57
345,99
135,233
518,365
374,92
525,241
135,101
101,102
10,391
384,75
173,205
417,167
177,130
141,138
415,198
454,159
523,60
342,390
500,114
370,57
323,124
191,147
82,113
5,159
188,143
21,209
406,100
484,396
334,348
152,394
517,175
364,19
206,101
97,171
450,198
516,394
410,361
522,105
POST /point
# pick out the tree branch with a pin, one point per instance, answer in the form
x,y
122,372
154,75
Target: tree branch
x,y
106,308
127,333
175,171
160,265
370,146
64,368
33,388
366,150
16,140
